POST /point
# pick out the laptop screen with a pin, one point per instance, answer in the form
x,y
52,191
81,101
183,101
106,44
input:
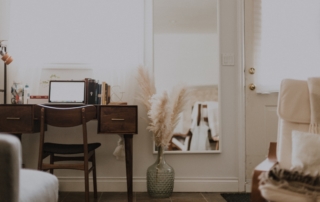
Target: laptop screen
x,y
67,91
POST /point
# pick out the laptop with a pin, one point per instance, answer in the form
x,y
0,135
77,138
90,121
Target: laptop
x,y
67,92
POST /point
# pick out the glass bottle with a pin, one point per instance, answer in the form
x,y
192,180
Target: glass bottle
x,y
160,177
17,93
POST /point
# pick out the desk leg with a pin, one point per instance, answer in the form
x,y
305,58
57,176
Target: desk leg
x,y
128,150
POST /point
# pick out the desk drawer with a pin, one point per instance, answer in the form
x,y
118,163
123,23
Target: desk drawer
x,y
16,119
118,119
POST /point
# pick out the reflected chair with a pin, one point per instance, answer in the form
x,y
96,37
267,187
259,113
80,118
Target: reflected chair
x,y
294,114
69,117
17,184
204,125
203,117
180,141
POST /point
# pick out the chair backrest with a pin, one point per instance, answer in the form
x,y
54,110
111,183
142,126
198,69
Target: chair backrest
x,y
294,114
10,164
67,116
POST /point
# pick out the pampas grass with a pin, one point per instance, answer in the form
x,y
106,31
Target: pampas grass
x,y
163,111
147,87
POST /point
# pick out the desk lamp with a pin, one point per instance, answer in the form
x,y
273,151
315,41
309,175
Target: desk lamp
x,y
7,59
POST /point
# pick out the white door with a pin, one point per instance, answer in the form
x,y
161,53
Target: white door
x,y
261,109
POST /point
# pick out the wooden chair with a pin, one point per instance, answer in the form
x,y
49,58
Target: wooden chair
x,y
69,117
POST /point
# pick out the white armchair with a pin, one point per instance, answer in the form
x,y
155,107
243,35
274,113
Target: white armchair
x,y
22,185
292,155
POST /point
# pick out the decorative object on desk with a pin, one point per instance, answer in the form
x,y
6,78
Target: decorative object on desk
x,y
163,114
117,93
26,94
17,93
38,99
7,60
118,85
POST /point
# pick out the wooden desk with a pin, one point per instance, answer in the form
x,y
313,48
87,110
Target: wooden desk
x,y
112,119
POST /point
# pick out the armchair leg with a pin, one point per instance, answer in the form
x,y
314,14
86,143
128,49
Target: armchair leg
x,y
255,192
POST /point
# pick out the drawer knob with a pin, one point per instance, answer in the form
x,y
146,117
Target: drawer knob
x,y
117,119
13,118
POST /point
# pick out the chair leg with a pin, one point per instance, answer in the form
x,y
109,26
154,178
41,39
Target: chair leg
x,y
51,162
94,175
86,181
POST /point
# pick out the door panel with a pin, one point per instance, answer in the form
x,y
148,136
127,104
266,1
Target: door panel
x,y
261,109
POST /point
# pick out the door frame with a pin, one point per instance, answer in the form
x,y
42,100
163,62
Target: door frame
x,y
241,97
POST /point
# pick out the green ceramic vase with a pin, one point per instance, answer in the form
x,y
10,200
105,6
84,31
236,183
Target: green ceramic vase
x,y
160,177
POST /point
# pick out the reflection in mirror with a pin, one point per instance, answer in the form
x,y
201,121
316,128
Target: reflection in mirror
x,y
186,51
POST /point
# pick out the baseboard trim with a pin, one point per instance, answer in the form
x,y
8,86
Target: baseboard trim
x,y
109,184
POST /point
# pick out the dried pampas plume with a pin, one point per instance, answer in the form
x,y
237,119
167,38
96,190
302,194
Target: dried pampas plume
x,y
163,111
147,87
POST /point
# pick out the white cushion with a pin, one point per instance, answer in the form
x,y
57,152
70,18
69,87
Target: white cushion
x,y
38,186
306,151
284,145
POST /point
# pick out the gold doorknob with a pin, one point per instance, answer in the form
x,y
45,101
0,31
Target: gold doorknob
x,y
252,86
252,70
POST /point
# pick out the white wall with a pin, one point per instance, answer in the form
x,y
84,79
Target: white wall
x,y
113,38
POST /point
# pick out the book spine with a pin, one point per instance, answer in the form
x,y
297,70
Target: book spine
x,y
105,94
86,97
91,92
103,86
96,86
99,94
109,94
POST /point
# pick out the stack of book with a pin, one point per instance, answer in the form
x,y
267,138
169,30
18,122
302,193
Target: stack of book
x,y
97,93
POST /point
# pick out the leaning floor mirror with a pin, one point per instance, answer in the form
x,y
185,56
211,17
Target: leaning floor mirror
x,y
186,50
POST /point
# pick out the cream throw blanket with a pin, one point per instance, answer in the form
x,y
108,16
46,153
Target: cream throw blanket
x,y
314,93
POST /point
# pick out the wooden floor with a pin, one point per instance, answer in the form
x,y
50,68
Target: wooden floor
x,y
142,197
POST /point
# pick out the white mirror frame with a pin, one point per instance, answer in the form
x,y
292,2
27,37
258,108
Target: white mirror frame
x,y
149,64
